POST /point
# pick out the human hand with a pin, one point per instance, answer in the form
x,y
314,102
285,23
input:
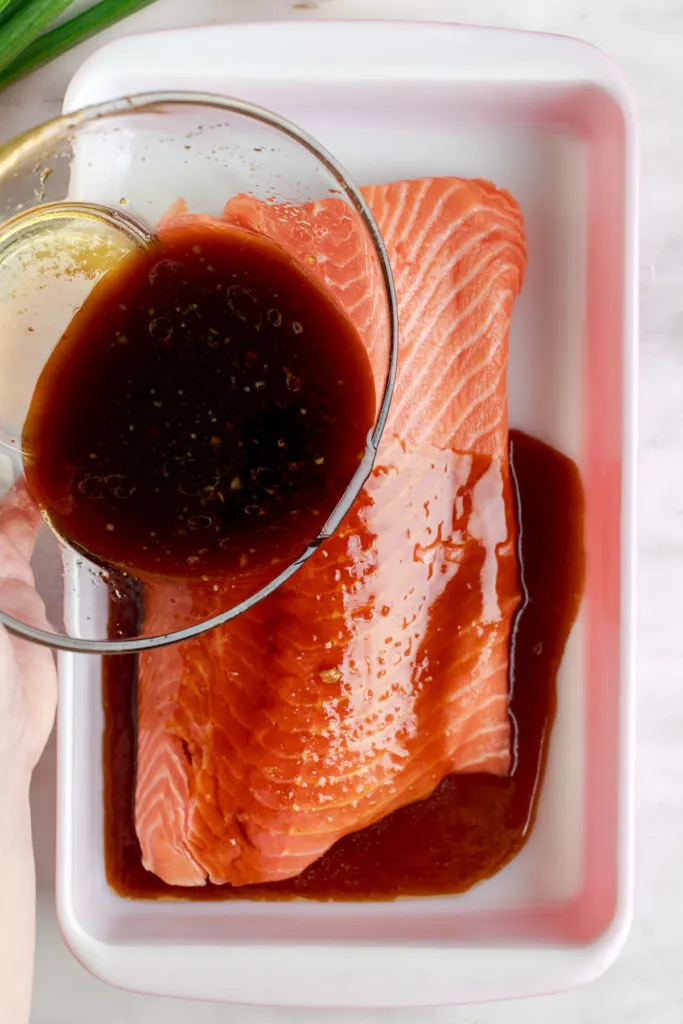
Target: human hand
x,y
28,680
28,697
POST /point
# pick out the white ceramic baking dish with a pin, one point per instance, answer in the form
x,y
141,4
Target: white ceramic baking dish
x,y
550,119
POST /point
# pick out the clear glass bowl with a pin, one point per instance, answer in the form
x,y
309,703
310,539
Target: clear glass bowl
x,y
76,194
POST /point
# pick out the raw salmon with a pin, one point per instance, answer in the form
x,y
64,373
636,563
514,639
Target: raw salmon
x,y
382,666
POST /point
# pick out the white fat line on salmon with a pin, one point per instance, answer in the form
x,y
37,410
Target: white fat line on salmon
x,y
491,259
472,689
405,273
175,782
407,225
388,228
148,740
486,730
415,415
379,205
362,299
427,779
432,727
350,283
161,803
457,186
477,402
501,222
488,758
379,808
459,721
438,345
378,315
339,265
501,201
478,436
154,765
474,372
354,782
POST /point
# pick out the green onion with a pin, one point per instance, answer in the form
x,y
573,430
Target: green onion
x,y
26,25
8,8
38,51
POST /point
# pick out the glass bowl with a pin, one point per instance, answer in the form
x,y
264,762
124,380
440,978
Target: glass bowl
x,y
76,194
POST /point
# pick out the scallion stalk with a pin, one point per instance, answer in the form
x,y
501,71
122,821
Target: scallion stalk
x,y
22,28
38,51
9,8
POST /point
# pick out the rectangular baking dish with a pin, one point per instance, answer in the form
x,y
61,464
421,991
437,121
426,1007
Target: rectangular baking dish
x,y
551,119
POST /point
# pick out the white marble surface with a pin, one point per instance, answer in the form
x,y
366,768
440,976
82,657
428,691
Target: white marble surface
x,y
645,986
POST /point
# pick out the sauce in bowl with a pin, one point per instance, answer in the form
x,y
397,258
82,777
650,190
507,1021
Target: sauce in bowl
x,y
204,411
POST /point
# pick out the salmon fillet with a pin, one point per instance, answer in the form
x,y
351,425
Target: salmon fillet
x,y
382,665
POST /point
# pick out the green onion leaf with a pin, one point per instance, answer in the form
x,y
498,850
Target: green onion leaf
x,y
23,27
38,51
10,7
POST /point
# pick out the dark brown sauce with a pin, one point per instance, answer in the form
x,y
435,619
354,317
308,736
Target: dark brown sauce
x,y
203,413
473,824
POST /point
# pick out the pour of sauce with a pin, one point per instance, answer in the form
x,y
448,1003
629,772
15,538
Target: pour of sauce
x,y
472,825
204,411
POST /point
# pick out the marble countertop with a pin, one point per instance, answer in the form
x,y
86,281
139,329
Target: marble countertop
x,y
645,986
